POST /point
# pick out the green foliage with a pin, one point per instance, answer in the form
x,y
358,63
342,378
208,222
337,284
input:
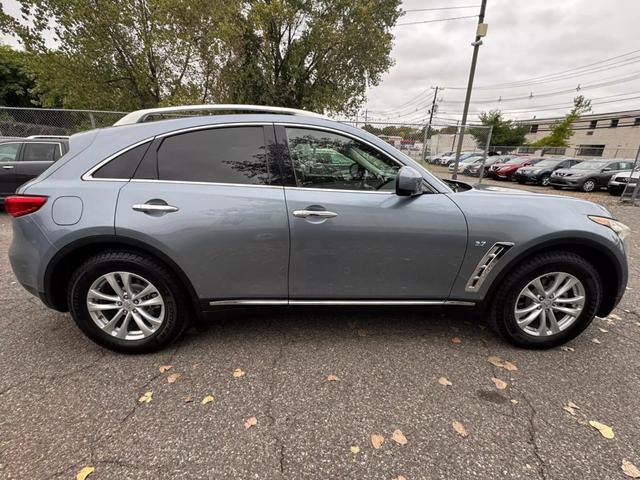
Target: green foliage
x,y
15,83
561,131
505,133
112,54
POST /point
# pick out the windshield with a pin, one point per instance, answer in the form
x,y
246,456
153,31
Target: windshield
x,y
590,165
548,163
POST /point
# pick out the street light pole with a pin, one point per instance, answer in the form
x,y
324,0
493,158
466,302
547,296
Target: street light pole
x,y
480,32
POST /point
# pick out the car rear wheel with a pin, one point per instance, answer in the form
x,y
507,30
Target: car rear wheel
x,y
546,301
589,185
544,181
615,191
127,302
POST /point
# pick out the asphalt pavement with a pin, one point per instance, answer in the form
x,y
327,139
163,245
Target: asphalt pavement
x,y
66,403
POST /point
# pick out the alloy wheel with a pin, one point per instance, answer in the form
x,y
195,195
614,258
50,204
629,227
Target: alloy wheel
x,y
549,304
589,186
125,305
545,180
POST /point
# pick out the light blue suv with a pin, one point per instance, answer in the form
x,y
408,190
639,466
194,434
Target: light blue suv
x,y
147,225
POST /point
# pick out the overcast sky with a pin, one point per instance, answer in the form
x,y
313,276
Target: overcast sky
x,y
526,39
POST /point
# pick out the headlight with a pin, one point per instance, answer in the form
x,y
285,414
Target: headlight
x,y
620,228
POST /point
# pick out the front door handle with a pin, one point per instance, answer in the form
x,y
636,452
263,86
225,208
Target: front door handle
x,y
154,208
314,213
8,167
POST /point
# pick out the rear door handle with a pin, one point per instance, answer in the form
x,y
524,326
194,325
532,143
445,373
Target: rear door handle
x,y
8,167
151,207
314,213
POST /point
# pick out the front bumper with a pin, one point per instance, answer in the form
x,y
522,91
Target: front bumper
x,y
527,177
569,182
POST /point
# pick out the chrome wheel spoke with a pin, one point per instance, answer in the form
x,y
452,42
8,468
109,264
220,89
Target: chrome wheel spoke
x,y
528,309
145,291
528,293
574,312
102,306
126,282
147,316
542,326
573,300
141,325
559,278
151,302
113,282
553,322
529,318
567,286
95,294
124,328
111,324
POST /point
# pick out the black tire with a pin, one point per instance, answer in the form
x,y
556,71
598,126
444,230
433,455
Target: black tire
x,y
502,317
589,185
556,187
176,316
521,182
544,180
615,192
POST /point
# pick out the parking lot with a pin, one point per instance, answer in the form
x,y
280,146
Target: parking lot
x,y
66,403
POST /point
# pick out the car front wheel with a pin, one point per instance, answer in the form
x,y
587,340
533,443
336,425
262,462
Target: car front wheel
x,y
544,181
127,302
547,300
589,185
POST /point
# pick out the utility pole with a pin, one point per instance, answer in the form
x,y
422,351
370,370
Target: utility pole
x,y
481,31
455,134
431,112
366,116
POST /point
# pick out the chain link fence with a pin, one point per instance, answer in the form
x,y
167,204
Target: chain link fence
x,y
24,122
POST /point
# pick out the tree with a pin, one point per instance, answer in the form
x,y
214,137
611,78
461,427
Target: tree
x,y
315,54
505,133
15,83
312,54
561,130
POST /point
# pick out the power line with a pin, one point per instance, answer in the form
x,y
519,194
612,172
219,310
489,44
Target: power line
x,y
540,77
437,20
439,8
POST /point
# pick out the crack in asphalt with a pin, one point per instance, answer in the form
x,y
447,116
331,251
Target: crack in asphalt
x,y
532,440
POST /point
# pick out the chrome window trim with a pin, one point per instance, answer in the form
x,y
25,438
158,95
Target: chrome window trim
x,y
354,137
337,190
88,175
214,303
187,182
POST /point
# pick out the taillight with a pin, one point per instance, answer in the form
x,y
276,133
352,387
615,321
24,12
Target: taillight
x,y
18,205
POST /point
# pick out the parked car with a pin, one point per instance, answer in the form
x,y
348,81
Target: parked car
x,y
619,181
435,159
22,159
507,170
474,169
589,175
146,226
452,158
540,173
466,163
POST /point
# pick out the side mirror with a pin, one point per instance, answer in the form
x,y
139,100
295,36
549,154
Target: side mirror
x,y
408,182
607,169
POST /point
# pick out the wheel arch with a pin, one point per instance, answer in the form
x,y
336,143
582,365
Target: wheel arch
x,y
66,260
612,273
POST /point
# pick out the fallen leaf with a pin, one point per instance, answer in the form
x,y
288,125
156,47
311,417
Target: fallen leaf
x,y
188,399
207,399
238,372
444,381
567,349
460,429
603,330
613,316
573,405
164,368
399,437
173,377
362,332
146,398
84,473
399,477
514,401
500,384
332,378
630,470
377,440
194,366
605,430
595,340
456,340
498,362
355,449
569,409
250,422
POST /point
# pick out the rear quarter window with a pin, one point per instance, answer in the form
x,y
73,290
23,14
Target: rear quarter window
x,y
124,165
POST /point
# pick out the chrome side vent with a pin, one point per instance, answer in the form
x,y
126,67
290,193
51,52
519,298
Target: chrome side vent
x,y
486,264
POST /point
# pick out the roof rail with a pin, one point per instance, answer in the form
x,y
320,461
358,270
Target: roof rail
x,y
48,136
140,116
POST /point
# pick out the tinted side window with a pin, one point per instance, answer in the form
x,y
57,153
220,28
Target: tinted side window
x,y
124,165
220,155
9,152
326,160
41,152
